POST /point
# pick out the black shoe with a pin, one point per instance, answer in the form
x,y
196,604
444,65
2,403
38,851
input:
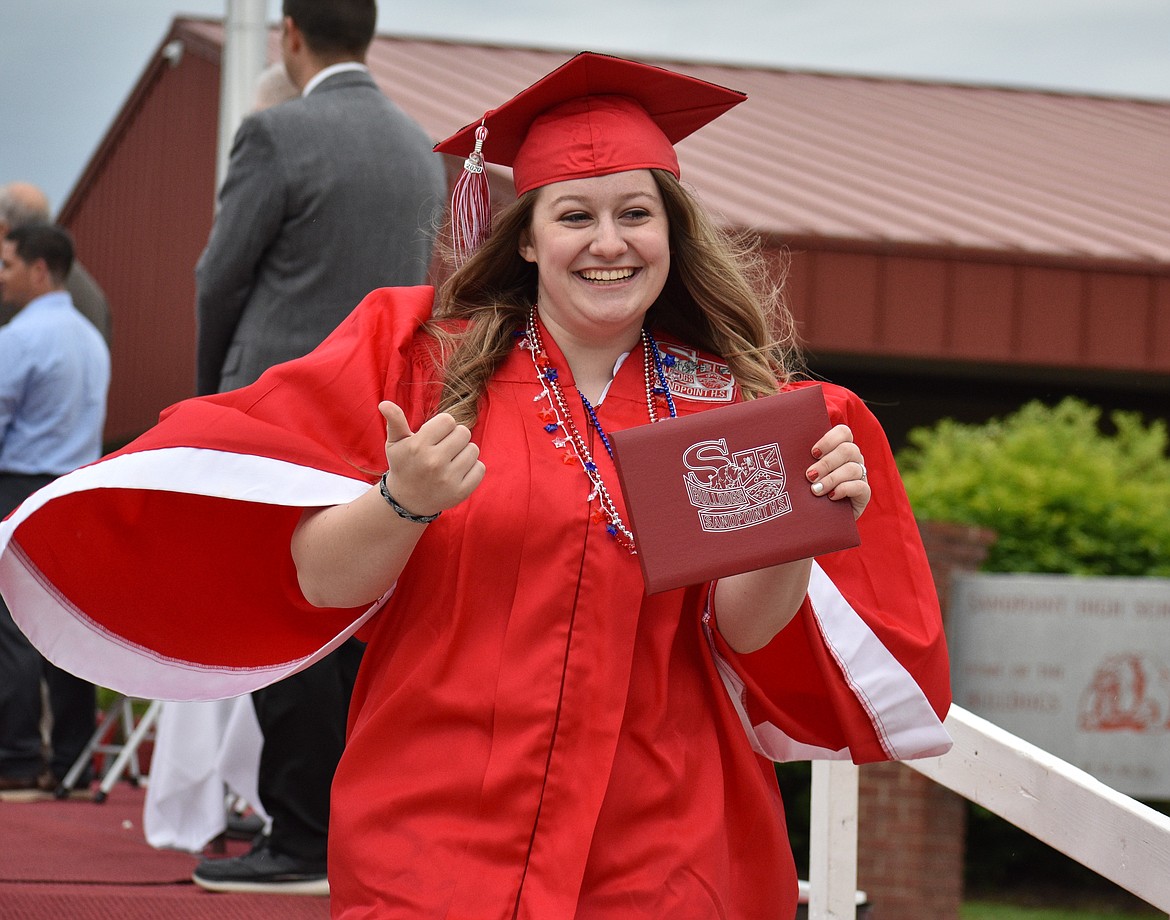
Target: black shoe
x,y
263,870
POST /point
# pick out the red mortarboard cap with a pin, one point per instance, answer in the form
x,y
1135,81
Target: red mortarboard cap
x,y
592,116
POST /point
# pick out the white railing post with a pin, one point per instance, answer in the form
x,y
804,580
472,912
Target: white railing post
x,y
832,872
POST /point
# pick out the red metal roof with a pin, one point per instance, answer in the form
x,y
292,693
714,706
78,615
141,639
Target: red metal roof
x,y
869,160
947,165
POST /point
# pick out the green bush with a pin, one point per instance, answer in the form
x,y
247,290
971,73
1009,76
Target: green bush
x,y
1063,494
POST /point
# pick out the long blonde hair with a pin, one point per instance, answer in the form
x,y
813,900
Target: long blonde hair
x,y
719,296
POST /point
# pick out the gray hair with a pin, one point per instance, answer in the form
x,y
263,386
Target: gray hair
x,y
273,87
19,210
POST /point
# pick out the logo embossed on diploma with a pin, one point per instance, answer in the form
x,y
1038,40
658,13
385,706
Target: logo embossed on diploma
x,y
732,491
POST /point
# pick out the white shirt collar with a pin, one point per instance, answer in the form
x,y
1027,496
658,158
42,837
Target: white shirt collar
x,y
329,71
617,367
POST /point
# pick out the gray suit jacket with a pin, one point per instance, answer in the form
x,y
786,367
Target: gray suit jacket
x,y
326,198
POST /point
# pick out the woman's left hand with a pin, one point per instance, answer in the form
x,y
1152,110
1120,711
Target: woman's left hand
x,y
839,470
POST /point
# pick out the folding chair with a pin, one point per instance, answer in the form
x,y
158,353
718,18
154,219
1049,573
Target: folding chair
x,y
119,714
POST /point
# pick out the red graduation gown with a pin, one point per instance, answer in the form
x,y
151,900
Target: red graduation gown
x,y
531,735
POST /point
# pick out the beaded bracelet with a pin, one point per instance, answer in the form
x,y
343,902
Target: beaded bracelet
x,y
398,509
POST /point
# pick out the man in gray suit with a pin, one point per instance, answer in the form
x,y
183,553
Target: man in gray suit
x,y
327,197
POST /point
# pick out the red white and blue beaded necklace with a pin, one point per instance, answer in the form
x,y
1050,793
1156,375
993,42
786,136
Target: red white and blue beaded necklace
x,y
558,421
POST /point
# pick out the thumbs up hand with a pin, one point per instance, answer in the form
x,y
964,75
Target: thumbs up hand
x,y
432,469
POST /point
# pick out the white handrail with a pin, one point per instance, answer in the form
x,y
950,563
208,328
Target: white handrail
x,y
1104,830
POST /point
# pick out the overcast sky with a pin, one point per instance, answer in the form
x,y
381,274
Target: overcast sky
x,y
67,66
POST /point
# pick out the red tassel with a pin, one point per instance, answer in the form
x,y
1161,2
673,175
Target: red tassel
x,y
471,207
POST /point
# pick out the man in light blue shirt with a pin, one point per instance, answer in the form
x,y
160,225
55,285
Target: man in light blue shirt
x,y
54,378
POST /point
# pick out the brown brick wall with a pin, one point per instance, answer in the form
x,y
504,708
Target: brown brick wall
x,y
952,548
910,845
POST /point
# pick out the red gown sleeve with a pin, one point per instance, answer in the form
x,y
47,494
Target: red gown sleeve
x,y
164,569
862,671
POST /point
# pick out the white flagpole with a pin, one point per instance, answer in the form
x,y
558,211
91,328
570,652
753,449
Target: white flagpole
x,y
245,46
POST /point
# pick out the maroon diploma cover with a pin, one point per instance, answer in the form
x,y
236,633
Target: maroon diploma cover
x,y
723,491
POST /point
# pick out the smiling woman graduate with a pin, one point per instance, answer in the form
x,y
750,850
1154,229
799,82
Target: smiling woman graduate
x,y
531,734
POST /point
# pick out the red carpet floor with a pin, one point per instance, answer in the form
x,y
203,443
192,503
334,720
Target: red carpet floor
x,y
76,859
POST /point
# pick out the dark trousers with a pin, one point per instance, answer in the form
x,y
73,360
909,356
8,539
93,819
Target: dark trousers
x,y
72,701
303,720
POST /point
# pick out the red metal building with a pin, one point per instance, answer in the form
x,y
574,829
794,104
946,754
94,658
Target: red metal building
x,y
952,250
